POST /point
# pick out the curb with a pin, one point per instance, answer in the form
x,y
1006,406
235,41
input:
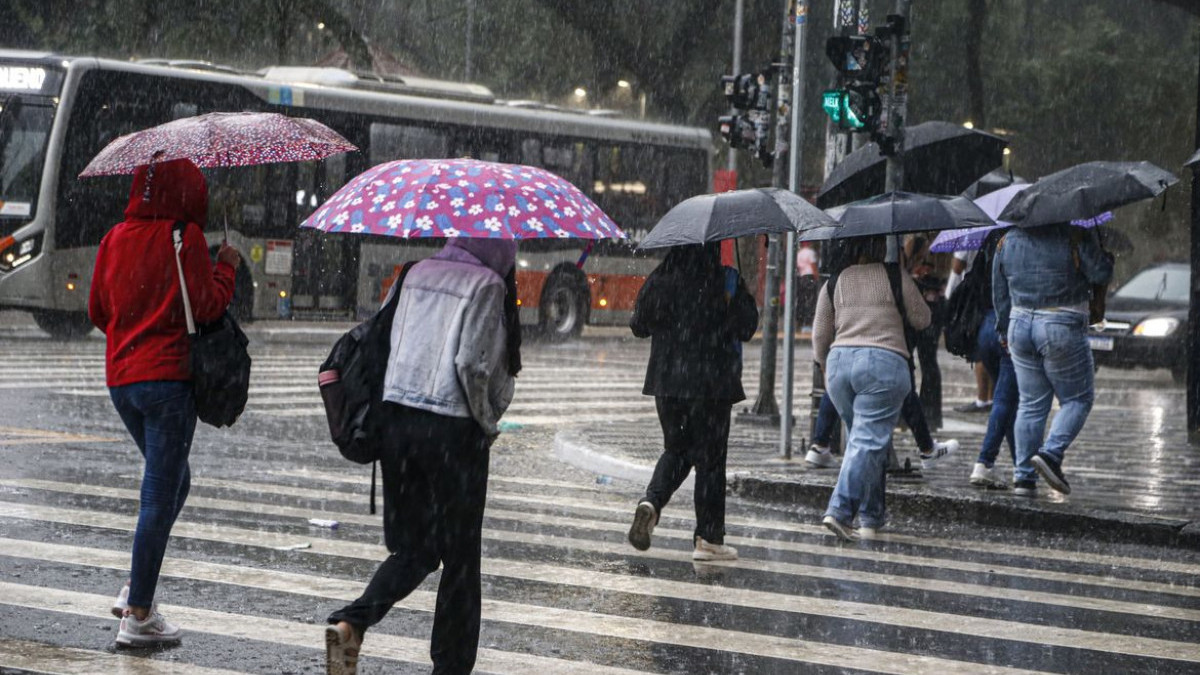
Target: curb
x,y
1118,527
1044,517
570,447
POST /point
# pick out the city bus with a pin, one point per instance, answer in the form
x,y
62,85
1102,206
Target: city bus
x,y
57,112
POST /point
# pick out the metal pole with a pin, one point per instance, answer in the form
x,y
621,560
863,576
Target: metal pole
x,y
795,168
470,28
738,12
765,409
895,111
1193,376
848,17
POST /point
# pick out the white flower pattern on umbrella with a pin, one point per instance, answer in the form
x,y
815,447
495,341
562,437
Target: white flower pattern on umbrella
x,y
411,198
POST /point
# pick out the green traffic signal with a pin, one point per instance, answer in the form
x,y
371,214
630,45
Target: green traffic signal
x,y
837,103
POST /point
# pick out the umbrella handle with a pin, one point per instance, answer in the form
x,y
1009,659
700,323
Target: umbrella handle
x,y
584,256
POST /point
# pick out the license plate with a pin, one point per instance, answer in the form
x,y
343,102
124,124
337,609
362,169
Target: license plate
x,y
1100,344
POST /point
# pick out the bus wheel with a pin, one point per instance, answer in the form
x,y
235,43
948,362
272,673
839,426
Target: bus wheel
x,y
564,307
63,325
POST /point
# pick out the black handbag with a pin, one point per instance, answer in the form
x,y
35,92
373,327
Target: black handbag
x,y
220,362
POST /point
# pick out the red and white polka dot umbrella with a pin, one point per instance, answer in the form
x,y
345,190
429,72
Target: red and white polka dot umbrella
x,y
221,139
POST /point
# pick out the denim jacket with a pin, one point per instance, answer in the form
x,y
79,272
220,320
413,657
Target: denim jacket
x,y
1038,268
448,341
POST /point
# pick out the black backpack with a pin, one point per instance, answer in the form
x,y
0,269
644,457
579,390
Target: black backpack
x,y
965,310
351,382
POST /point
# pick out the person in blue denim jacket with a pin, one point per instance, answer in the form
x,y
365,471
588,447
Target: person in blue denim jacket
x,y
1041,283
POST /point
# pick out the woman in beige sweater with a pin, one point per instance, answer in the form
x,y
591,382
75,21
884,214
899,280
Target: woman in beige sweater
x,y
858,340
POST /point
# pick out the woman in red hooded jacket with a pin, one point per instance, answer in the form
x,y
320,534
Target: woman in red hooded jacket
x,y
137,302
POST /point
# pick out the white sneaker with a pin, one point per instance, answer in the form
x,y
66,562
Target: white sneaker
x,y
154,631
819,457
939,451
707,552
644,520
982,476
868,533
843,532
122,602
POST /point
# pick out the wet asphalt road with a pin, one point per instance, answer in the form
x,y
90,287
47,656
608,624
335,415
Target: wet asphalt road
x,y
251,581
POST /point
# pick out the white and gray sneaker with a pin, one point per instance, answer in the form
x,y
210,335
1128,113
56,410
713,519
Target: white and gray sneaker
x,y
155,631
985,476
706,552
939,450
819,456
122,602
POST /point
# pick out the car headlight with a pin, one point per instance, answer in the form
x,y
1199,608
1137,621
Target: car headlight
x,y
1157,327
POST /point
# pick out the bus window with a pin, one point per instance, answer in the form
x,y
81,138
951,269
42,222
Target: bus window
x,y
629,186
531,152
24,128
111,104
394,141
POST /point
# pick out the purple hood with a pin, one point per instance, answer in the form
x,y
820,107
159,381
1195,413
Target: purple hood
x,y
497,254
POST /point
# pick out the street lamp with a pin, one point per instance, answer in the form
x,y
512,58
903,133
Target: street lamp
x,y
624,84
580,93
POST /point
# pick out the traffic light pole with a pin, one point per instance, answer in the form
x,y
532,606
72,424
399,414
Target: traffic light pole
x,y
765,410
795,166
1193,377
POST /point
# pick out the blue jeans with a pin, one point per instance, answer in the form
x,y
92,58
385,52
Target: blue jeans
x,y
999,366
868,385
1051,358
913,413
161,417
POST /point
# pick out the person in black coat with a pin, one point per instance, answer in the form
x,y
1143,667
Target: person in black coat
x,y
697,313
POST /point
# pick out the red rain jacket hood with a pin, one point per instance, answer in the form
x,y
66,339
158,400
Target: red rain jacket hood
x,y
135,296
177,191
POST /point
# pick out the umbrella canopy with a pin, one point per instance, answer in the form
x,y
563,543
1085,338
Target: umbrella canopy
x,y
462,198
971,238
1085,191
899,213
221,139
728,215
1194,160
939,158
990,182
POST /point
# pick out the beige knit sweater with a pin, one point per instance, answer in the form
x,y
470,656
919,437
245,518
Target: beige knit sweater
x,y
863,312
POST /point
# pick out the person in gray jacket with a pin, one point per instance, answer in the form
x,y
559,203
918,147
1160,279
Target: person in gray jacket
x,y
455,349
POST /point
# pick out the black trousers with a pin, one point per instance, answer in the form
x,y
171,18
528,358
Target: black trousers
x,y
695,434
435,471
931,373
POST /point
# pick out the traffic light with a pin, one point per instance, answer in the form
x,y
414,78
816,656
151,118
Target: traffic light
x,y
855,109
749,94
862,62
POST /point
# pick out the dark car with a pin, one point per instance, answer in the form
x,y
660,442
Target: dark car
x,y
1145,323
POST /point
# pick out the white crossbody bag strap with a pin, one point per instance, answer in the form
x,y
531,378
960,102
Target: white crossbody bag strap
x,y
177,235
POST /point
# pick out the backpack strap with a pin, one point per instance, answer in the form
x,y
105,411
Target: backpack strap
x,y
893,273
391,302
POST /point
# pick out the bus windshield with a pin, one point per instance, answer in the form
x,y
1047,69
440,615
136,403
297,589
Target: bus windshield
x,y
24,129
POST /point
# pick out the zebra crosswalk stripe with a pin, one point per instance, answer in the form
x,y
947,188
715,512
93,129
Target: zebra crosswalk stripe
x,y
37,657
855,611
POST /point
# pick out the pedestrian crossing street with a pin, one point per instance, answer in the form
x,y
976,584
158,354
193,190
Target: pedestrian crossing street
x,y
250,581
565,594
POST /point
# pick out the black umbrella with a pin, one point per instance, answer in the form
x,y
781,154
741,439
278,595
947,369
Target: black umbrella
x,y
727,215
990,182
939,158
1085,191
899,213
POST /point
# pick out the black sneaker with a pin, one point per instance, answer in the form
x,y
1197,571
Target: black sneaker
x,y
1025,488
644,520
1050,469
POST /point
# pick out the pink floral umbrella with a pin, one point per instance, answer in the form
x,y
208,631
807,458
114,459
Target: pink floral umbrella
x,y
462,198
221,139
